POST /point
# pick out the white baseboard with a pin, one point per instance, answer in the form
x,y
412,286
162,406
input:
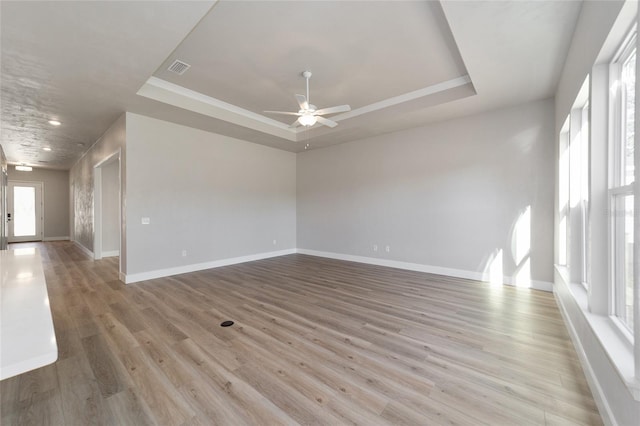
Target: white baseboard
x,y
84,249
159,273
535,284
459,273
56,239
438,270
112,253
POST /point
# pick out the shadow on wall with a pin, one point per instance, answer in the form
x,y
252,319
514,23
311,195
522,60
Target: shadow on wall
x,y
520,252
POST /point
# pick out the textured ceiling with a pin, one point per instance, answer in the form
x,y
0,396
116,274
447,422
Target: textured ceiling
x,y
85,62
81,63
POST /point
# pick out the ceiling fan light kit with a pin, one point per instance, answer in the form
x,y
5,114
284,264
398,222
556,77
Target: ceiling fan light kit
x,y
307,119
309,115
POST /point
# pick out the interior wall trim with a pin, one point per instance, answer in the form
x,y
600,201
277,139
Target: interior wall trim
x,y
438,270
159,273
67,238
84,249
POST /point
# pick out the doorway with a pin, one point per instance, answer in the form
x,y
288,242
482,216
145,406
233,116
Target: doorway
x,y
107,208
24,211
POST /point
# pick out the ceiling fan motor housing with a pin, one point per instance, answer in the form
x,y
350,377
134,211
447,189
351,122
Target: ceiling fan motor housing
x,y
309,114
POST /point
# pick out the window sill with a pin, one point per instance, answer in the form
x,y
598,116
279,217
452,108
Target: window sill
x,y
615,344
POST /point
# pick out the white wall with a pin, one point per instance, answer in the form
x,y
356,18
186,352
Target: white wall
x,y
214,196
81,178
55,186
110,208
593,26
600,29
448,195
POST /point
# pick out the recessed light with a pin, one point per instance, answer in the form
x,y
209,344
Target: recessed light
x,y
46,148
54,122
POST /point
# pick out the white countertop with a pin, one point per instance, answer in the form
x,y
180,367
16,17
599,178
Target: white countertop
x,y
27,338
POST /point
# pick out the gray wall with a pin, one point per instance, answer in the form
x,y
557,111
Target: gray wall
x,y
111,208
55,198
447,195
3,201
214,196
81,182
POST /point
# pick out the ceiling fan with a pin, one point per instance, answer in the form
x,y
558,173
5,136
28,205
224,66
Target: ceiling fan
x,y
308,115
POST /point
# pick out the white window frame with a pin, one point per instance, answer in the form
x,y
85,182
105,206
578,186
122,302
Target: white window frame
x,y
617,188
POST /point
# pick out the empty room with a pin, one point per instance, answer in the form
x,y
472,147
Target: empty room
x,y
319,212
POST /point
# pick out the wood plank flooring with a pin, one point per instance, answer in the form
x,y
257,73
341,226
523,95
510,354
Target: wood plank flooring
x,y
315,341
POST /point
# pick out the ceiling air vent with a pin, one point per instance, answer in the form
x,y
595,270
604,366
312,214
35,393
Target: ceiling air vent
x,y
178,67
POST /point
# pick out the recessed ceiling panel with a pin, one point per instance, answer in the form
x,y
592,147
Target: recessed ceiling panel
x,y
251,54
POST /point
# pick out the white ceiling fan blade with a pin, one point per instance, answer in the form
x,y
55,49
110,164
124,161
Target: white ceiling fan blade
x,y
295,124
326,121
333,110
302,101
283,112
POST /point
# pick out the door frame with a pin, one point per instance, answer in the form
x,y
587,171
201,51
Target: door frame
x,y
11,239
97,206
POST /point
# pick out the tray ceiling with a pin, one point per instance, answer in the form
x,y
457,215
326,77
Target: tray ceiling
x,y
398,64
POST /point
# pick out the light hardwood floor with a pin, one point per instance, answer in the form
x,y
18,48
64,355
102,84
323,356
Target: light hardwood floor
x,y
315,341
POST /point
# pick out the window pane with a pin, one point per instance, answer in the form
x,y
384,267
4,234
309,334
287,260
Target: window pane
x,y
562,243
584,192
563,196
24,206
624,261
584,153
628,259
629,109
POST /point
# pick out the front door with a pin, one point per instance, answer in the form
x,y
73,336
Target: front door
x,y
24,204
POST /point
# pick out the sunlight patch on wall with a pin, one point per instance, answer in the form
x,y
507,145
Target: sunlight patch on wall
x,y
521,249
522,277
521,238
493,270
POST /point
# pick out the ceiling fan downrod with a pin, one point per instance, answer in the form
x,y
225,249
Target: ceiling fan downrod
x,y
307,75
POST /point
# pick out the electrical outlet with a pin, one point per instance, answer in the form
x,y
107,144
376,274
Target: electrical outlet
x,y
184,253
387,249
375,247
146,221
275,242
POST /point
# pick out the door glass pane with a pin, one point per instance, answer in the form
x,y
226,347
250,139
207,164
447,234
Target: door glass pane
x,y
24,211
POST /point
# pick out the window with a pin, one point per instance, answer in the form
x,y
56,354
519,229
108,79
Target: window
x,y
628,103
622,180
623,257
563,195
584,192
574,183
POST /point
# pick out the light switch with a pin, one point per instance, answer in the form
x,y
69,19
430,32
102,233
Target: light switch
x,y
146,221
